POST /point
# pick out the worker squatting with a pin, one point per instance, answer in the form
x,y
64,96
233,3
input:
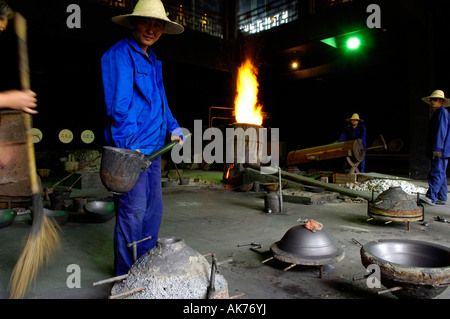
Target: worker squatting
x,y
238,146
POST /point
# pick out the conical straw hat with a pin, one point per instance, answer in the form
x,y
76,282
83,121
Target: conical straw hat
x,y
149,9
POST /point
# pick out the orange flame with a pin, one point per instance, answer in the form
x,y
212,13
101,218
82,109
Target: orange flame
x,y
246,104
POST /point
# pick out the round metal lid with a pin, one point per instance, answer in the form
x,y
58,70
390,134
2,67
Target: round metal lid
x,y
301,246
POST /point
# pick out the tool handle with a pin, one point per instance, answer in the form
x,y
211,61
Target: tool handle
x,y
164,149
20,26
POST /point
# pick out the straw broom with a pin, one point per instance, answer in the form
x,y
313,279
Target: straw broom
x,y
43,239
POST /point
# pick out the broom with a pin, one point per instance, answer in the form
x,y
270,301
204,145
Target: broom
x,y
43,238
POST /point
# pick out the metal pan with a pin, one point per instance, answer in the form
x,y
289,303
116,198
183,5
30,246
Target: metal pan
x,y
7,217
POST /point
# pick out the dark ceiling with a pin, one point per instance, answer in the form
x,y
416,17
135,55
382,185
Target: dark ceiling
x,y
309,105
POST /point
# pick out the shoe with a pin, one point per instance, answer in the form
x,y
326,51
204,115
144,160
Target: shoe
x,y
440,202
427,200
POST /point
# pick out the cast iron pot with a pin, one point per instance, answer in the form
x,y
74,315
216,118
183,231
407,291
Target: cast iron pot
x,y
420,269
99,211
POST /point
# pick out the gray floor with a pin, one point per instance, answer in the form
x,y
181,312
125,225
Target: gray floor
x,y
212,219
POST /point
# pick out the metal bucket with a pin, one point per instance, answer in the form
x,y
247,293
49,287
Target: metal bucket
x,y
272,202
120,168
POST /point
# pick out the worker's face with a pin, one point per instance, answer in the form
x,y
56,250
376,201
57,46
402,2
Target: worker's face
x,y
147,31
354,123
3,25
435,103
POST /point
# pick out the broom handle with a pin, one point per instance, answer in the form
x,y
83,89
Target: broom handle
x,y
20,25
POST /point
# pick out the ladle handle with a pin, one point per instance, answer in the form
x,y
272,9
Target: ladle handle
x,y
164,149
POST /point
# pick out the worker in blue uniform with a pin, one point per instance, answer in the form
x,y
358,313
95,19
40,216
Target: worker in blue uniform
x,y
438,148
138,118
355,130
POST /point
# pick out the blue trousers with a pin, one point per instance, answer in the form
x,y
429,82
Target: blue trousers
x,y
138,215
437,180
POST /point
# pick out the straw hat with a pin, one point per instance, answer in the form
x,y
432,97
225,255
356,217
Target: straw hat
x,y
437,94
149,9
355,116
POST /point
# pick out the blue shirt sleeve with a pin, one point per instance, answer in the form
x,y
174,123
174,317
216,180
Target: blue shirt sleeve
x,y
117,72
441,132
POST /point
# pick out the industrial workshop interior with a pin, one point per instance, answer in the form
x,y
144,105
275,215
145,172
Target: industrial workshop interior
x,y
295,213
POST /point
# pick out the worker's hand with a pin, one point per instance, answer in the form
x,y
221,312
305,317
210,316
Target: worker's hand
x,y
174,138
19,100
437,155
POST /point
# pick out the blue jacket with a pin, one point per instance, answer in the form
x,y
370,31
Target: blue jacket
x,y
138,116
439,132
351,133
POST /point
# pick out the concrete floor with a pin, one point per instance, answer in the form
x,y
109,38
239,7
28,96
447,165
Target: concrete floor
x,y
213,219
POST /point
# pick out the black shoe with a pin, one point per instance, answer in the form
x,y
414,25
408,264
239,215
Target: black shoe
x,y
440,202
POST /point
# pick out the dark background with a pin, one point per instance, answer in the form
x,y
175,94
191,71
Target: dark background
x,y
383,82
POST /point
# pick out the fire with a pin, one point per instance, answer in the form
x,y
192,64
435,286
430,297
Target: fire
x,y
246,104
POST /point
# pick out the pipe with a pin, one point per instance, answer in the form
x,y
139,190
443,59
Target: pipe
x,y
310,181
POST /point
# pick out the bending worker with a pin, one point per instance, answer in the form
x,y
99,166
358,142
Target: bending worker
x,y
355,130
438,148
138,118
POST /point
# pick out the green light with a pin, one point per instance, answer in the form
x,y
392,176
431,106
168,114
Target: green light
x,y
330,41
353,43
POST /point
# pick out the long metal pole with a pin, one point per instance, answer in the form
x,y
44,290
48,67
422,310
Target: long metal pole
x,y
310,181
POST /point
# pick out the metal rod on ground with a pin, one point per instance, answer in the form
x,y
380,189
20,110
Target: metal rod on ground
x,y
109,280
389,290
224,262
289,267
268,259
127,293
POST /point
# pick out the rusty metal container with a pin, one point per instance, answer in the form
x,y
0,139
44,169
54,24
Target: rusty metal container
x,y
420,269
120,168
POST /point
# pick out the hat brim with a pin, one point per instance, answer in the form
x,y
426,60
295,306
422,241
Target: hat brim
x,y
446,100
170,27
359,120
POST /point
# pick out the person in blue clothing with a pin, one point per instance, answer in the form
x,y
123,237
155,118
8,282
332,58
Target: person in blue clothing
x,y
438,148
138,118
355,130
